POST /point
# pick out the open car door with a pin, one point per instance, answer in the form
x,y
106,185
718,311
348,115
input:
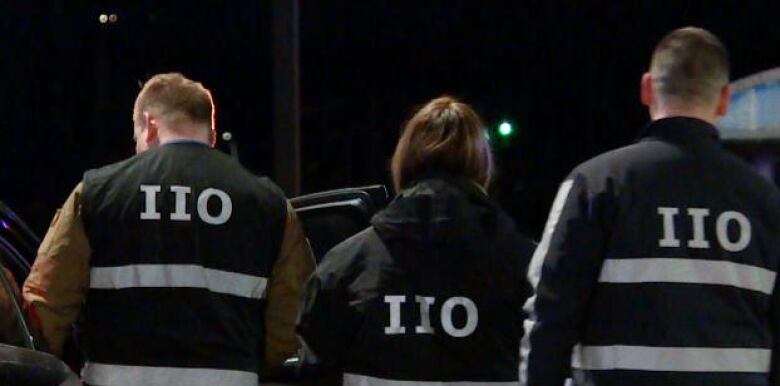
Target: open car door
x,y
331,217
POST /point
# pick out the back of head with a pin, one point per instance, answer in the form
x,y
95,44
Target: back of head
x,y
175,100
444,135
690,66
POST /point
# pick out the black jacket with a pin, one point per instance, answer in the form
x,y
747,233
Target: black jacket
x,y
659,263
433,291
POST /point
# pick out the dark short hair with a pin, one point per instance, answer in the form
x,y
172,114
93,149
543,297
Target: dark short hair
x,y
690,64
174,96
445,135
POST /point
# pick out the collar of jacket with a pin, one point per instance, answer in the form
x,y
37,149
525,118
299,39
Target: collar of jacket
x,y
187,141
438,206
464,184
685,130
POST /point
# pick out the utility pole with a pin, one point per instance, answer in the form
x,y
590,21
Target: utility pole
x,y
286,96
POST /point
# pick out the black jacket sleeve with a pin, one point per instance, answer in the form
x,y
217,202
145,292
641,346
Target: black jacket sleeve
x,y
563,271
325,322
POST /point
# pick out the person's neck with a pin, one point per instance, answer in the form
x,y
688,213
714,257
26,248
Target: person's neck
x,y
195,135
704,114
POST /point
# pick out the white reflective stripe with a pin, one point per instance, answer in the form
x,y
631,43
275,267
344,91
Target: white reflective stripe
x,y
365,380
535,274
177,276
679,270
537,261
525,341
684,359
118,375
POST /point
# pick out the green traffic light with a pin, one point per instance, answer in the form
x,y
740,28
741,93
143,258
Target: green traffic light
x,y
505,129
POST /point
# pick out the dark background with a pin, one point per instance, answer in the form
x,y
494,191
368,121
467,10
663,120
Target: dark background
x,y
565,73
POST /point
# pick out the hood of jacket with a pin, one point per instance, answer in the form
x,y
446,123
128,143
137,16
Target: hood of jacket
x,y
438,209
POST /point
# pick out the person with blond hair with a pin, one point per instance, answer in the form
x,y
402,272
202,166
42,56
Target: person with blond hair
x,y
432,292
178,265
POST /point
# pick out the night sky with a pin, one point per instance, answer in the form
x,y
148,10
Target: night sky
x,y
565,73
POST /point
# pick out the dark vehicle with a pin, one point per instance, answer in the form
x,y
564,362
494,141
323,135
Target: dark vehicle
x,y
20,363
328,218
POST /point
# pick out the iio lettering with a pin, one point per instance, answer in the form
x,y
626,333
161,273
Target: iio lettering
x,y
181,194
700,217
424,325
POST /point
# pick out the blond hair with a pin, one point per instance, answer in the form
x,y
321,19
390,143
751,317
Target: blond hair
x,y
175,99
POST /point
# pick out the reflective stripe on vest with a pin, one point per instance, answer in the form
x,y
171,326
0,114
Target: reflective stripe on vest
x,y
682,359
365,380
684,270
178,276
120,375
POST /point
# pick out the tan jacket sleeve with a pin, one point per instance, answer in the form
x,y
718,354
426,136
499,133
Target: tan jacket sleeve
x,y
288,277
58,282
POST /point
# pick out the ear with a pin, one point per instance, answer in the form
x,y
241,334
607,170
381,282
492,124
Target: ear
x,y
646,90
152,137
723,101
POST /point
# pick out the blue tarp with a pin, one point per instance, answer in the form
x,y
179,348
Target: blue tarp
x,y
754,113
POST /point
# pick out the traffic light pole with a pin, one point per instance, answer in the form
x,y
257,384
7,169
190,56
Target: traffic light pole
x,y
286,96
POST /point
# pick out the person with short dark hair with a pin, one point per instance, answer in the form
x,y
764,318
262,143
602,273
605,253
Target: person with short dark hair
x,y
659,260
432,292
178,265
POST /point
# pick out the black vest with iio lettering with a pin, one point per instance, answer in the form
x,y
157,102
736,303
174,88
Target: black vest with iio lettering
x,y
182,240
